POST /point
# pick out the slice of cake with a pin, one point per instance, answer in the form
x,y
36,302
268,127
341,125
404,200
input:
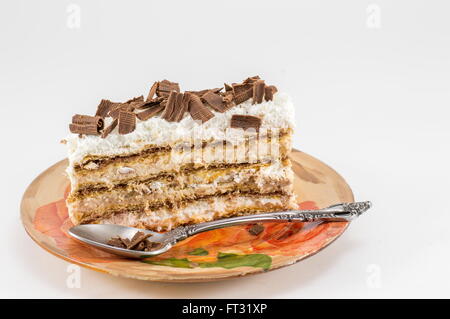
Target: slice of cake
x,y
180,158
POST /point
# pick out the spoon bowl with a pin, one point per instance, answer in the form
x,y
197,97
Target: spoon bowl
x,y
98,236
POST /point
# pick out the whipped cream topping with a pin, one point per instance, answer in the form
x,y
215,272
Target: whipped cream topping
x,y
278,113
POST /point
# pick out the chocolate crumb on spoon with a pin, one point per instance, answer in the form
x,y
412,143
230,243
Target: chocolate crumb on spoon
x,y
139,242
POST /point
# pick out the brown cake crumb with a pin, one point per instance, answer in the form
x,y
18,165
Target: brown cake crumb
x,y
256,229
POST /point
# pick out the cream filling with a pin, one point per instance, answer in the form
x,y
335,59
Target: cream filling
x,y
278,113
199,211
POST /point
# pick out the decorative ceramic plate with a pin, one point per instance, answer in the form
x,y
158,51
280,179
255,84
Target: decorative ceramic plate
x,y
217,254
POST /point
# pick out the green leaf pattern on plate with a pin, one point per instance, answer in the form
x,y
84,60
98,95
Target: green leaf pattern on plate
x,y
224,260
198,252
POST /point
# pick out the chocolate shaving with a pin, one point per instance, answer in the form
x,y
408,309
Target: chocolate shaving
x,y
116,242
140,246
87,129
251,79
170,106
243,96
149,103
202,92
215,101
242,92
130,107
228,87
269,91
150,245
258,91
165,87
245,121
181,106
125,241
228,99
135,99
103,108
127,122
135,105
174,105
152,91
241,88
88,120
115,109
256,229
85,124
198,111
110,128
150,112
139,242
137,239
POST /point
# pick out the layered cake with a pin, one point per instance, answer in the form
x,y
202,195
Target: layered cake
x,y
176,158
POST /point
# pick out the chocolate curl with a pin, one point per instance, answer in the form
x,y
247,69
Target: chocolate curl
x,y
103,108
170,106
269,91
127,122
165,87
152,91
150,112
89,129
135,100
110,128
258,91
243,96
198,111
88,120
215,101
181,107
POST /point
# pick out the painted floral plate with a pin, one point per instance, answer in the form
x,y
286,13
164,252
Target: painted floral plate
x,y
214,255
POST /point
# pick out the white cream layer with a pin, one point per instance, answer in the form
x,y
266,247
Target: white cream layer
x,y
278,113
199,211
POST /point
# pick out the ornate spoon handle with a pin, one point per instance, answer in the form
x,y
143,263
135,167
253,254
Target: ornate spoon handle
x,y
339,212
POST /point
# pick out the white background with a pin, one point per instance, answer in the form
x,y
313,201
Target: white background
x,y
372,102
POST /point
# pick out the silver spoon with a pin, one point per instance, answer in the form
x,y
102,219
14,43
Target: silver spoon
x,y
98,235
